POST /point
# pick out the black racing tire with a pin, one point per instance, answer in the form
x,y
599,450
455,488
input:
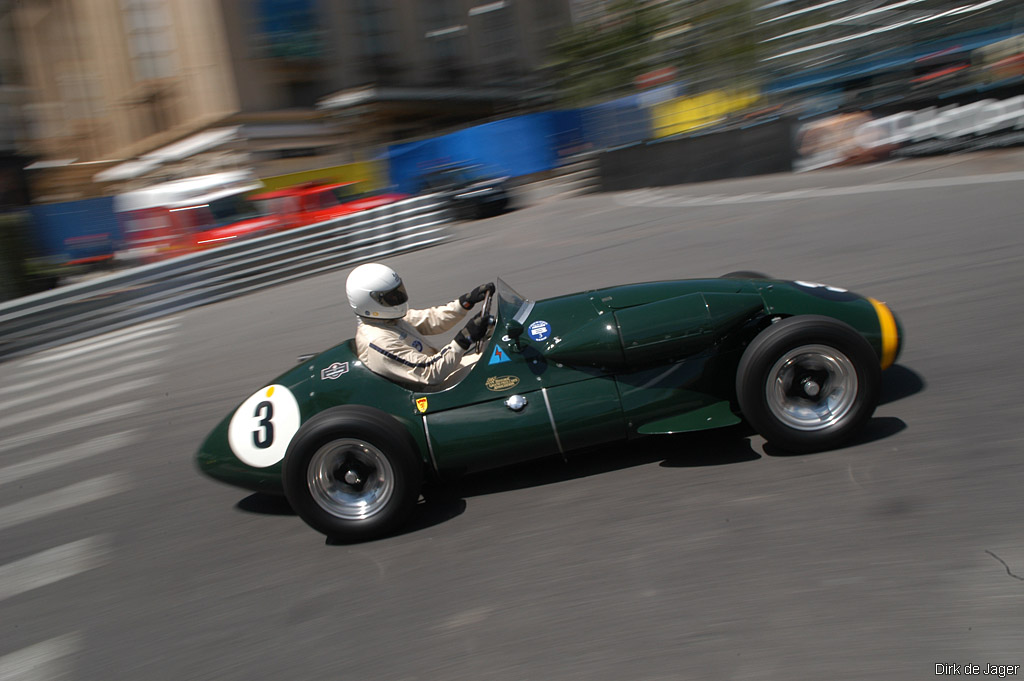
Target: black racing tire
x,y
807,383
744,274
352,473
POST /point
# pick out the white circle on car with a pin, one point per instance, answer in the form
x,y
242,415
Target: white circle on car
x,y
814,284
263,425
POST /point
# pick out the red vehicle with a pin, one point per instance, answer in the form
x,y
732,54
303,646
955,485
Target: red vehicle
x,y
313,202
181,216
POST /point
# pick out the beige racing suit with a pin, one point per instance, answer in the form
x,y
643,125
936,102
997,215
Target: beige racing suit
x,y
396,350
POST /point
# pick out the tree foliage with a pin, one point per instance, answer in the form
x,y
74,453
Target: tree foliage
x,y
603,56
713,43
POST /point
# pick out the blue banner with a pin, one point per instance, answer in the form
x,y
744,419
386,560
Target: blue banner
x,y
514,146
76,230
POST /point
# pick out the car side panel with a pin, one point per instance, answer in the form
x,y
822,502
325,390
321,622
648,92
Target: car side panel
x,y
586,413
672,389
489,434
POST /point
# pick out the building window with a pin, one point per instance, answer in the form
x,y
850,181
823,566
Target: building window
x,y
303,94
289,30
499,42
150,38
374,29
445,37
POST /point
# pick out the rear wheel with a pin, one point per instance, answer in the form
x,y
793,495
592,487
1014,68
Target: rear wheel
x,y
352,473
744,274
807,383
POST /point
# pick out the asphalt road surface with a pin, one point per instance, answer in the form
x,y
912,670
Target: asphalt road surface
x,y
705,556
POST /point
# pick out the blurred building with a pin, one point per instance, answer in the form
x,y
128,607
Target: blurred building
x,y
870,53
13,188
848,52
125,92
104,94
406,68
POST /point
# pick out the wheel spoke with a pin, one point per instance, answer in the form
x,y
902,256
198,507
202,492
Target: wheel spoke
x,y
811,387
350,479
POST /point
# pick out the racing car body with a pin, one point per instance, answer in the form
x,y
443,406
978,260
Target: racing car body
x,y
470,193
801,362
315,202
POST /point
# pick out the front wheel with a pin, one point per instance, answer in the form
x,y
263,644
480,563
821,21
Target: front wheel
x,y
352,474
807,383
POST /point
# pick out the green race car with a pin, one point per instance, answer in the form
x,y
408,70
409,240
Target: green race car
x,y
800,362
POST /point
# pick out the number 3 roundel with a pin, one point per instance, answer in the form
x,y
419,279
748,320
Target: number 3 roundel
x,y
263,426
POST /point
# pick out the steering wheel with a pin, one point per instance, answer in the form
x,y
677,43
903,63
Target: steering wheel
x,y
485,313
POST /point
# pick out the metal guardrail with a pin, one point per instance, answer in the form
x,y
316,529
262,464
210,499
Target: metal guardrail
x,y
86,309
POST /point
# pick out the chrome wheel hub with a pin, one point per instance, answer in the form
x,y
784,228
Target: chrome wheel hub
x,y
350,479
811,387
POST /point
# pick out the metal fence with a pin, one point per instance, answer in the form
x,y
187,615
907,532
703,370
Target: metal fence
x,y
81,310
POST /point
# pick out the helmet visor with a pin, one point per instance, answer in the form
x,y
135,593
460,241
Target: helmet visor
x,y
392,298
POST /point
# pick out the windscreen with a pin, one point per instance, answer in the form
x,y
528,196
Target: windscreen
x,y
511,305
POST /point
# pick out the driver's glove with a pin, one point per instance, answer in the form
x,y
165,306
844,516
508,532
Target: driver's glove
x,y
474,330
468,300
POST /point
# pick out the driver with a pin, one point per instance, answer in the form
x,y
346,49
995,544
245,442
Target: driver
x,y
389,340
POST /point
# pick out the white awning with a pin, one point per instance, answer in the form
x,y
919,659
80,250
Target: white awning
x,y
188,191
52,163
347,98
203,199
125,171
208,139
190,146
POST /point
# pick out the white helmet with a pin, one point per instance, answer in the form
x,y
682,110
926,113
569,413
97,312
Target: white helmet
x,y
376,291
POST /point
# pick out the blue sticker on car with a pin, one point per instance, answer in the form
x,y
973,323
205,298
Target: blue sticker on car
x,y
498,356
540,330
418,345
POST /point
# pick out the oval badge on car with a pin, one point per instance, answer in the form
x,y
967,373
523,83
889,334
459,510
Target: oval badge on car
x,y
500,383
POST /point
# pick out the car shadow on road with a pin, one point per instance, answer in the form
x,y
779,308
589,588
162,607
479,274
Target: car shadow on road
x,y
877,428
261,503
433,512
438,510
899,382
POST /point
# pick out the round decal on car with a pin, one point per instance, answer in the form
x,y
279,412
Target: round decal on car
x,y
262,427
539,330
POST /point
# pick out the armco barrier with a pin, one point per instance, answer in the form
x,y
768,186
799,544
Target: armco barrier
x,y
754,149
82,310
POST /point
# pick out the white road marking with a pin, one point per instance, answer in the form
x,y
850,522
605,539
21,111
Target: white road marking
x,y
114,413
639,199
72,386
105,346
46,661
52,565
752,197
62,499
58,371
170,323
41,464
88,397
